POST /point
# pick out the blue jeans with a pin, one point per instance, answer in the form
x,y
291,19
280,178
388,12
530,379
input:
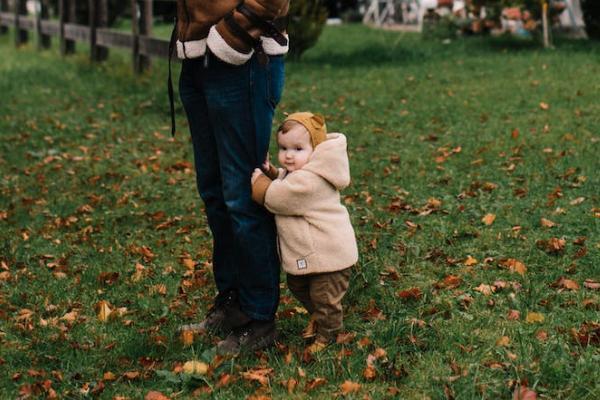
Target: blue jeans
x,y
230,113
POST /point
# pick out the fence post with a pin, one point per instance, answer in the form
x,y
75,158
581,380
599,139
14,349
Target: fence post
x,y
43,14
71,17
21,35
3,8
146,29
61,26
92,22
101,22
136,39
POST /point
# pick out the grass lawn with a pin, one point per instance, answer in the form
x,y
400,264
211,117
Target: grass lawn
x,y
475,199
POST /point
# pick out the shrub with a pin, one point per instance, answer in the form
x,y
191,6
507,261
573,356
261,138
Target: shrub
x,y
307,18
591,16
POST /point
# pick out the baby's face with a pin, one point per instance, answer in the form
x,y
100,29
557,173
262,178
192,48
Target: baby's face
x,y
294,148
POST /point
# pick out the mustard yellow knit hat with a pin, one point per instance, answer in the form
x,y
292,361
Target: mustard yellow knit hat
x,y
314,124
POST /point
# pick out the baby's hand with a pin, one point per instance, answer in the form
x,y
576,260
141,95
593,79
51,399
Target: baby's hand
x,y
266,165
257,172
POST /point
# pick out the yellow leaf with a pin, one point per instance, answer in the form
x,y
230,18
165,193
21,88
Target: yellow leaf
x,y
534,317
195,368
488,219
470,261
503,341
188,263
103,310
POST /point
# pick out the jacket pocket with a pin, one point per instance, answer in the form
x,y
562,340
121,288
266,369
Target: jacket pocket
x,y
296,243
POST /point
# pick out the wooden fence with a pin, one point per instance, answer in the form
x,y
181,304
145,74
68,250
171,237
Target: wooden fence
x,y
143,46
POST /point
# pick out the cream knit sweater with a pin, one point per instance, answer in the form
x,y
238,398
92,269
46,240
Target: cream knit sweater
x,y
314,230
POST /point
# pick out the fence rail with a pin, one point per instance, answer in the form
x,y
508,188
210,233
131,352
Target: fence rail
x,y
142,45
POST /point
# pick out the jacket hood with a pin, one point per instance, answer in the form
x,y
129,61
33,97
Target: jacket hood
x,y
330,161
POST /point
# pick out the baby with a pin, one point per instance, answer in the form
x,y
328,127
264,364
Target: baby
x,y
316,241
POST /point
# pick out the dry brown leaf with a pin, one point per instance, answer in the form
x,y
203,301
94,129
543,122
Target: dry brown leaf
x,y
313,383
261,375
524,393
514,265
514,315
412,293
546,223
591,284
544,106
345,338
370,372
449,282
103,310
290,384
486,290
131,375
153,395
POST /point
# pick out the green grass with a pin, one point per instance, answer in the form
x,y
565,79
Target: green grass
x,y
90,175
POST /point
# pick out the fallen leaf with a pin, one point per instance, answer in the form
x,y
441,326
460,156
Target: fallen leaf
x,y
524,393
488,219
131,375
153,395
313,383
187,337
261,375
544,106
349,387
591,284
370,372
470,261
577,201
503,341
546,223
514,265
486,290
195,368
564,283
534,317
449,282
412,293
290,384
345,338
514,315
103,310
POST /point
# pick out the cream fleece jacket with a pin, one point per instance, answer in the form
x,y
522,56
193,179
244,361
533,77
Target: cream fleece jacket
x,y
314,230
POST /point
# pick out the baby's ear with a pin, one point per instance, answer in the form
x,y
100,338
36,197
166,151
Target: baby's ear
x,y
319,119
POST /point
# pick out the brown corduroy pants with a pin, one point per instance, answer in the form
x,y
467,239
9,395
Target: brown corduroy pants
x,y
321,295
